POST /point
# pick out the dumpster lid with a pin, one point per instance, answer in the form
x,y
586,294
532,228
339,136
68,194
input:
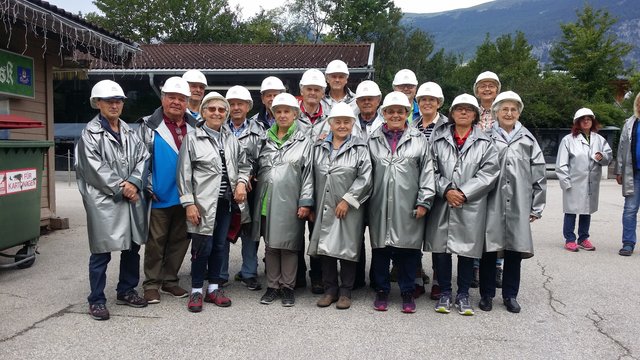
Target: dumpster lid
x,y
10,121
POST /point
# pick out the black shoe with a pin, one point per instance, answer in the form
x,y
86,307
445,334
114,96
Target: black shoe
x,y
132,299
317,287
270,296
626,250
512,305
476,278
251,283
99,311
498,277
288,298
486,304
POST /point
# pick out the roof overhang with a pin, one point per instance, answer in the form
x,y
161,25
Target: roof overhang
x,y
179,72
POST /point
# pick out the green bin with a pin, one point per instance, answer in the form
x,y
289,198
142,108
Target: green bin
x,y
21,166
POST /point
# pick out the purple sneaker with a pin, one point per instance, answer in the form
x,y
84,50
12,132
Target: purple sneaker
x,y
381,303
408,303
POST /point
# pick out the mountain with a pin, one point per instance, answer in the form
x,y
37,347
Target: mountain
x,y
461,31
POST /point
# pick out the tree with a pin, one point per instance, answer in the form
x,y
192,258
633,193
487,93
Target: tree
x,y
591,52
310,17
136,20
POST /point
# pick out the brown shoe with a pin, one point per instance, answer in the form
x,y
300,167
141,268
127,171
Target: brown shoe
x,y
176,291
152,296
343,303
326,300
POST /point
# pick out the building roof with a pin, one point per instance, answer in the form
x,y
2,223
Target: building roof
x,y
168,58
74,33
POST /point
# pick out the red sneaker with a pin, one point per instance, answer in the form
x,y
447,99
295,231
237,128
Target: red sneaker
x,y
218,297
571,246
195,302
587,245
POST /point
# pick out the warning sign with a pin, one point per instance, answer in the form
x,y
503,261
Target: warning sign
x,y
3,183
20,180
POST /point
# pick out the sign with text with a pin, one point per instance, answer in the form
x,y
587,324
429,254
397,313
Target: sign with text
x,y
16,75
19,180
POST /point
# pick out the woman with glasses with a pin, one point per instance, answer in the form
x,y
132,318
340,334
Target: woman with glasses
x,y
581,156
212,173
517,200
466,169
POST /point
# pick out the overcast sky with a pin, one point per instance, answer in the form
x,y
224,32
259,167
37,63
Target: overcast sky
x,y
250,7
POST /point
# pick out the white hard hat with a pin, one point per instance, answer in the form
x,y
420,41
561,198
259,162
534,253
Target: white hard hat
x,y
336,66
105,89
487,75
272,83
405,76
341,109
430,89
465,99
176,84
285,99
508,96
367,88
241,93
583,112
313,77
195,76
214,95
396,98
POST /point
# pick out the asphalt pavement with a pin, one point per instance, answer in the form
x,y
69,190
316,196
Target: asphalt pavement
x,y
574,306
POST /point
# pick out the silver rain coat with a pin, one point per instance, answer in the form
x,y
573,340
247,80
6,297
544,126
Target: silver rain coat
x,y
347,177
102,164
520,192
200,172
624,165
474,170
579,173
285,177
401,181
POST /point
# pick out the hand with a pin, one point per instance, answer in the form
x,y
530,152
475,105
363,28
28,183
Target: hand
x,y
455,198
342,209
312,216
421,211
129,190
303,212
193,215
598,156
322,136
532,218
619,179
134,198
240,195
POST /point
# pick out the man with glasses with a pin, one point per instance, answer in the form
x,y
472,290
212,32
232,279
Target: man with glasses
x,y
163,132
406,82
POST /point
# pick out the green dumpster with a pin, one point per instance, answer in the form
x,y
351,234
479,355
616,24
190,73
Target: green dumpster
x,y
21,166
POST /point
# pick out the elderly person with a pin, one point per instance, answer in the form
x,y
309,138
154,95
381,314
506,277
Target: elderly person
x,y
368,98
163,132
342,179
285,198
581,156
337,75
517,200
271,86
212,174
430,99
628,176
110,163
466,169
197,85
250,135
403,191
406,82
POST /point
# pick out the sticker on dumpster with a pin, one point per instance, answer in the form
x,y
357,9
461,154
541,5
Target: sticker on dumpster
x,y
3,183
20,180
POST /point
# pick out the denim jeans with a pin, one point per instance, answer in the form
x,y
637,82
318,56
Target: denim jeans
x,y
209,251
404,260
630,213
444,266
569,225
128,278
249,267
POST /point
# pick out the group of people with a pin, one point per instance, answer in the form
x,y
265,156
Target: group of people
x,y
339,162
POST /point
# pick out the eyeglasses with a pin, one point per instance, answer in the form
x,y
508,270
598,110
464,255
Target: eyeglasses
x,y
464,108
509,110
406,86
213,109
487,86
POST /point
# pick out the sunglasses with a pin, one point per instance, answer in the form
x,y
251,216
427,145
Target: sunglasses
x,y
213,109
